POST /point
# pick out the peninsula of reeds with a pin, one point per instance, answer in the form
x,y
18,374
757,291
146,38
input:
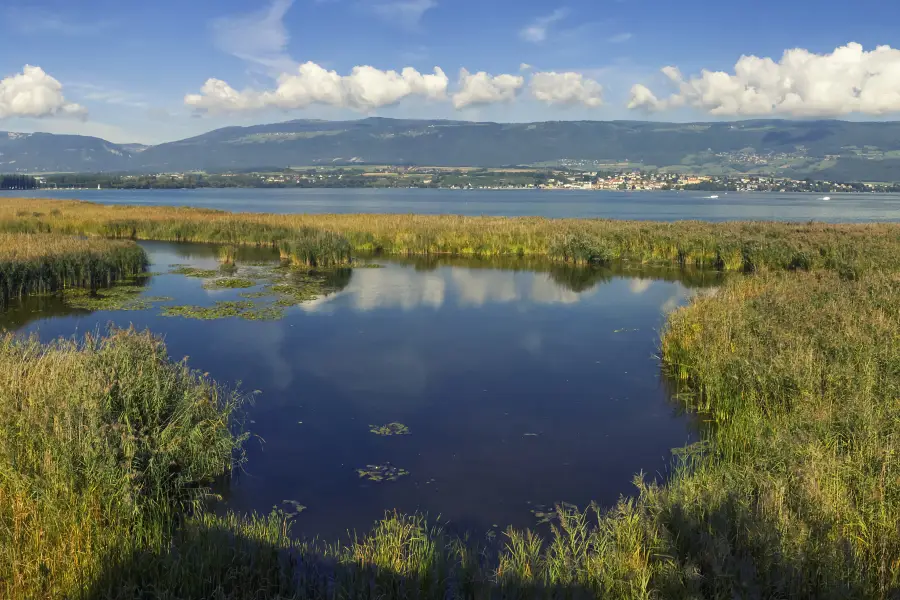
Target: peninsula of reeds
x,y
39,263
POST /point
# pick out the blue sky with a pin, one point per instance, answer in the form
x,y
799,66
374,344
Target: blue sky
x,y
125,67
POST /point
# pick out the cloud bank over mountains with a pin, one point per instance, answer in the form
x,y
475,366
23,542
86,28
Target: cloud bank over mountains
x,y
801,84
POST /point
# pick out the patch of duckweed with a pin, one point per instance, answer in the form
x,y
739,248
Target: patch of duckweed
x,y
382,473
253,295
243,309
120,297
389,429
195,272
548,514
367,266
292,508
229,283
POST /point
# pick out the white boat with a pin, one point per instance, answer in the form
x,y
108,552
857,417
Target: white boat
x,y
714,197
826,197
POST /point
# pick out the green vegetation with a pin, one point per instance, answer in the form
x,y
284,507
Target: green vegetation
x,y
194,272
42,263
380,473
793,490
230,283
118,297
324,240
389,429
105,444
225,309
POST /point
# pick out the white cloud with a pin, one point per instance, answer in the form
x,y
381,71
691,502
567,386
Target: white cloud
x,y
259,38
566,88
34,93
100,93
802,84
364,89
405,13
482,88
536,32
620,37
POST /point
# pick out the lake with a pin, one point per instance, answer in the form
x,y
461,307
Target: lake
x,y
659,206
520,387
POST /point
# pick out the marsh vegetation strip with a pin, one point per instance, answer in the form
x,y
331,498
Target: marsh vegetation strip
x,y
653,206
38,263
465,356
327,240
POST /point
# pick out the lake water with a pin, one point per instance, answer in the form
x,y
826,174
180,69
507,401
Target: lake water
x,y
661,206
520,388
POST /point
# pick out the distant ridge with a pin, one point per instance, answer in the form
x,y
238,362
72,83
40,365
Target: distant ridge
x,y
831,150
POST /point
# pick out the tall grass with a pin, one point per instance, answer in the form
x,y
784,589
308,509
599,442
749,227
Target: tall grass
x,y
105,443
747,246
46,262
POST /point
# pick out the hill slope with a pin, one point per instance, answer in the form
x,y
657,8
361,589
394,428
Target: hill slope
x,y
819,149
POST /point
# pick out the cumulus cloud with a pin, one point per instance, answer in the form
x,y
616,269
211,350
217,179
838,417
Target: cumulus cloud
x,y
536,32
802,84
566,89
34,93
364,89
482,88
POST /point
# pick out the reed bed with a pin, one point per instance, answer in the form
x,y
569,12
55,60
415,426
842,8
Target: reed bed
x,y
105,444
36,263
746,246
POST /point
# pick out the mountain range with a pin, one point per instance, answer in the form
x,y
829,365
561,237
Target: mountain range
x,y
830,150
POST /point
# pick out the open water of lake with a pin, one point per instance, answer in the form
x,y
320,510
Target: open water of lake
x,y
658,206
520,388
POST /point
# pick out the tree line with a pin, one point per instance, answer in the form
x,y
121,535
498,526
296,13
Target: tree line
x,y
18,182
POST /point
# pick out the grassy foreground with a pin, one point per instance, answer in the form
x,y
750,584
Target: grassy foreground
x,y
43,262
329,239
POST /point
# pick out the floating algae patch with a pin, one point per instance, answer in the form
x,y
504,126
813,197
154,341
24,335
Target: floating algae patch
x,y
389,429
381,473
243,309
229,283
253,295
547,514
120,297
292,508
298,286
195,272
367,266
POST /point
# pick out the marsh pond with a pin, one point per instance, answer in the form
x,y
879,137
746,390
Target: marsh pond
x,y
479,391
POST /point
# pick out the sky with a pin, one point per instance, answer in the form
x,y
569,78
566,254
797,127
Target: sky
x,y
150,72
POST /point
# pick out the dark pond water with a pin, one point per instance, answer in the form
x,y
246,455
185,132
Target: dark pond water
x,y
519,387
656,206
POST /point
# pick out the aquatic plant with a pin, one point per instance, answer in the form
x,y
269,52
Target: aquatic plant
x,y
106,442
195,272
119,297
224,309
319,240
43,263
230,283
380,473
389,429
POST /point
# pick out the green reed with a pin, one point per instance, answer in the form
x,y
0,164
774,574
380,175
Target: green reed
x,y
106,442
45,263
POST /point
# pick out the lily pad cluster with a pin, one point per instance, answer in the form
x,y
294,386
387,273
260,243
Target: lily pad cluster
x,y
389,429
381,473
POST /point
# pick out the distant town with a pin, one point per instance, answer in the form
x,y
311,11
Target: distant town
x,y
441,177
